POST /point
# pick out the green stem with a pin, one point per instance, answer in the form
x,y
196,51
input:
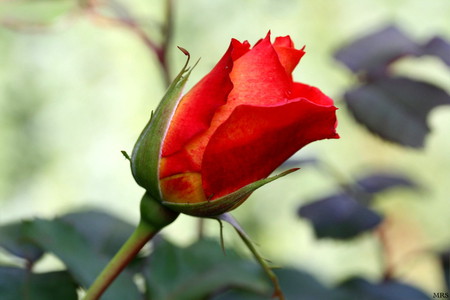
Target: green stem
x,y
141,235
154,217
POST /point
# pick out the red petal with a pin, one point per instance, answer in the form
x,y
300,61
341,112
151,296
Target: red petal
x,y
255,140
178,162
288,55
283,41
237,124
196,109
313,94
257,77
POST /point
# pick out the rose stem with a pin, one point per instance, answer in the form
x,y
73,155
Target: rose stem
x,y
141,235
154,217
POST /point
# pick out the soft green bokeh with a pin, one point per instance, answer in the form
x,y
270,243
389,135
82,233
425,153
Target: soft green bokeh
x,y
74,93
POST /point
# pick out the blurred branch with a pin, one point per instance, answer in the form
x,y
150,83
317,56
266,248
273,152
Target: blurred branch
x,y
385,252
392,263
167,31
23,26
117,15
125,19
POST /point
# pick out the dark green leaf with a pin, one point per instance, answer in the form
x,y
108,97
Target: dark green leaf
x,y
440,48
300,162
14,240
296,285
18,284
339,216
360,288
381,181
82,262
199,270
445,263
103,232
373,53
396,109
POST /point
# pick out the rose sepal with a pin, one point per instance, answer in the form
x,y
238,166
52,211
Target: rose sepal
x,y
146,153
228,218
225,203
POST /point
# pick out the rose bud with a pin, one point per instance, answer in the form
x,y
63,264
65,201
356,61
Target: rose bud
x,y
205,153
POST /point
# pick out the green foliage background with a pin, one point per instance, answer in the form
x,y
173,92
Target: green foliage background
x,y
74,93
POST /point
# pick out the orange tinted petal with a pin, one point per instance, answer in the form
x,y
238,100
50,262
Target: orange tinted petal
x,y
183,188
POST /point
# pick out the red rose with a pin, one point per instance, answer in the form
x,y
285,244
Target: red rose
x,y
238,124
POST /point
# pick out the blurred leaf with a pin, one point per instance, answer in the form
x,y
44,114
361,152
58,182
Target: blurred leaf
x,y
14,240
440,48
296,285
197,271
396,109
374,52
339,216
21,13
26,155
104,232
81,261
445,262
379,182
300,162
242,295
17,284
300,285
360,288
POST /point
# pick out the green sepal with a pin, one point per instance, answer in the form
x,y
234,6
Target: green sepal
x,y
155,214
278,293
147,150
223,204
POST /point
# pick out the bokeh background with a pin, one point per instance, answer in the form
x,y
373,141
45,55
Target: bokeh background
x,y
74,92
